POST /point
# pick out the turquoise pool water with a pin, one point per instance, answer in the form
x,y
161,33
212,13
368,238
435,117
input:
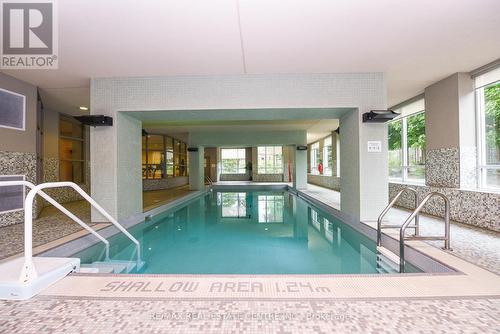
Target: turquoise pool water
x,y
245,233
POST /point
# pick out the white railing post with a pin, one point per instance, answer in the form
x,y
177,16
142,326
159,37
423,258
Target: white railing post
x,y
28,271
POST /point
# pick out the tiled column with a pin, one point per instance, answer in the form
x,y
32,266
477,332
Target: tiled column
x,y
300,169
196,169
364,174
450,132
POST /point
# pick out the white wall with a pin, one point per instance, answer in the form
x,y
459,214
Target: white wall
x,y
109,96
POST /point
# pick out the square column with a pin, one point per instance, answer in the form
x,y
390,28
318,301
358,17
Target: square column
x,y
300,169
196,169
364,174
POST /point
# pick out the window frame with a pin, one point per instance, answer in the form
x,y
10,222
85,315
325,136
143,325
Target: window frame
x,y
80,140
405,166
274,169
314,154
23,128
482,166
239,170
178,151
328,163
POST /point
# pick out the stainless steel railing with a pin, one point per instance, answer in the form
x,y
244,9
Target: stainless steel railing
x,y
388,207
414,214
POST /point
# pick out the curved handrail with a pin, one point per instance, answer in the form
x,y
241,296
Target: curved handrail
x,y
28,269
414,213
391,204
60,207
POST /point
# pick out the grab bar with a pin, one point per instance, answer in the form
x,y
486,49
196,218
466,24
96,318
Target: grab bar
x,y
402,231
29,271
391,204
61,208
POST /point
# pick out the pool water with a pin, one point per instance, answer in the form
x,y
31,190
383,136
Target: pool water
x,y
245,233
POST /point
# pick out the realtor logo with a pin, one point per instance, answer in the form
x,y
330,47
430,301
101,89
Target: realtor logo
x,y
29,34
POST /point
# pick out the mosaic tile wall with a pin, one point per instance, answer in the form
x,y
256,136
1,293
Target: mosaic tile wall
x,y
62,195
330,182
234,177
468,167
267,177
158,184
469,207
18,163
442,168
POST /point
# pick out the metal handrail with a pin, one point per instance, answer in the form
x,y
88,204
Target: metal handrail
x,y
29,271
402,231
209,180
391,204
54,203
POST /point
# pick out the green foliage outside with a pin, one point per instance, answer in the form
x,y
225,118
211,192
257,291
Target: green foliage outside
x,y
492,121
416,144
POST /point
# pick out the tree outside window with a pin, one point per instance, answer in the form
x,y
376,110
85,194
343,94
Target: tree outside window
x,y
406,141
270,160
488,107
233,161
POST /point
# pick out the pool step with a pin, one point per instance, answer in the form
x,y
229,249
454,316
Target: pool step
x,y
387,261
111,267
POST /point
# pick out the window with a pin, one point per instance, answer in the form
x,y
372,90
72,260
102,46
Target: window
x,y
406,136
337,153
11,197
315,159
234,205
270,160
271,208
488,112
71,156
233,161
13,110
163,156
327,157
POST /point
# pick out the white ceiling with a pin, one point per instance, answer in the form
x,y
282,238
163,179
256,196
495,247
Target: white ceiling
x,y
415,42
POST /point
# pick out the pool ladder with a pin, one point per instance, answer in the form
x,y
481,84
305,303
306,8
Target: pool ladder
x,y
209,180
28,270
414,217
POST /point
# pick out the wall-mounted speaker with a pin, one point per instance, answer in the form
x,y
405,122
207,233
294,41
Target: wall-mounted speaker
x,y
95,120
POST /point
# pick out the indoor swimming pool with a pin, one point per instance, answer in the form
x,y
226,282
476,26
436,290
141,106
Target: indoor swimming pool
x,y
246,232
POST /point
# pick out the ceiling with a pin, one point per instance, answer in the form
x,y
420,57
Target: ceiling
x,y
414,42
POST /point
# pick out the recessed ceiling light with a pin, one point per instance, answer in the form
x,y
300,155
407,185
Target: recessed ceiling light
x,y
84,108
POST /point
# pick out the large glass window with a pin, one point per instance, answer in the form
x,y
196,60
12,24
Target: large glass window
x,y
406,136
270,160
315,158
233,161
327,157
71,159
163,156
271,208
488,110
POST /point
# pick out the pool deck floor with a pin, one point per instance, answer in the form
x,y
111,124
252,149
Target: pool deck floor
x,y
465,302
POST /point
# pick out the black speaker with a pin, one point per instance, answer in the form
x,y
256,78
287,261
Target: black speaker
x,y
95,120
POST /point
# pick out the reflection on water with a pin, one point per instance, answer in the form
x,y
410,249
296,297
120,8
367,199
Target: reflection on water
x,y
246,233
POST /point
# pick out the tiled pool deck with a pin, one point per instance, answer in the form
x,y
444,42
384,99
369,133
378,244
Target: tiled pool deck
x,y
87,304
